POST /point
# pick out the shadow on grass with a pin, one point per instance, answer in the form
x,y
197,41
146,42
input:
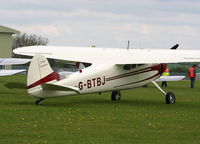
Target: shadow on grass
x,y
15,85
96,102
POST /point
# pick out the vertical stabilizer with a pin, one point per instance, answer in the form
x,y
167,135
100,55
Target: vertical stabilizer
x,y
40,72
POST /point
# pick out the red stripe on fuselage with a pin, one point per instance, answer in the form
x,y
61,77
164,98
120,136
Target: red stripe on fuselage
x,y
152,68
128,74
50,77
137,81
158,67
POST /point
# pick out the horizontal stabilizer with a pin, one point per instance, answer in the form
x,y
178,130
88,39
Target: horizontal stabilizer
x,y
48,86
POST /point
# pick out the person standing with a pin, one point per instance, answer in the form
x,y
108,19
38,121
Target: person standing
x,y
165,73
192,75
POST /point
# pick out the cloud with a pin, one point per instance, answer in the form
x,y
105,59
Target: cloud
x,y
47,30
108,23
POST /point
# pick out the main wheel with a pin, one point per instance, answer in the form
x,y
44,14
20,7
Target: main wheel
x,y
116,95
170,98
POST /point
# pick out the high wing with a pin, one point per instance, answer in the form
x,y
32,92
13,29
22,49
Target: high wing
x,y
10,72
112,55
13,61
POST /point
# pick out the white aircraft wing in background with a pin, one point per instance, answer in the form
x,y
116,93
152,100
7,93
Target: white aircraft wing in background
x,y
10,72
13,61
111,55
170,78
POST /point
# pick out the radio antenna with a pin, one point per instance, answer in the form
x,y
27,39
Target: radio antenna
x,y
128,44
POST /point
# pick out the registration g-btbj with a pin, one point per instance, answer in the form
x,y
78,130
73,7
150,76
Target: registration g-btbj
x,y
111,70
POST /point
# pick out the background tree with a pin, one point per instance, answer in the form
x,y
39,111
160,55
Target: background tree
x,y
24,39
182,67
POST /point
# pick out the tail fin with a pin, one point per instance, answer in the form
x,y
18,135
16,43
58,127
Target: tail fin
x,y
40,72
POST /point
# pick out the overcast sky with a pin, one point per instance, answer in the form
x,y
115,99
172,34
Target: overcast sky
x,y
107,23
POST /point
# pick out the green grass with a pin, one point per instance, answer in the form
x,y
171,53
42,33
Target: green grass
x,y
140,117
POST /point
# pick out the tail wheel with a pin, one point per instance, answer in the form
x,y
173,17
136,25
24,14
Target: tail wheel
x,y
39,102
170,98
116,96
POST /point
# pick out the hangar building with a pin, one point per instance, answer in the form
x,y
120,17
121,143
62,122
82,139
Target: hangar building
x,y
6,42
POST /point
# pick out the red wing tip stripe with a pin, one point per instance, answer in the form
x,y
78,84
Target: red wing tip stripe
x,y
50,77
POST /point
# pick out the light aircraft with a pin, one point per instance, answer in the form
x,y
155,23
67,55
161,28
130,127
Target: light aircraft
x,y
12,61
111,70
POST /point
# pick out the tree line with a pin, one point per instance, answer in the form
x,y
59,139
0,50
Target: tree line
x,y
24,39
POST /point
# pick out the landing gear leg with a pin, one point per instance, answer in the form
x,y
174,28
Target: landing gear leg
x,y
169,97
39,102
116,96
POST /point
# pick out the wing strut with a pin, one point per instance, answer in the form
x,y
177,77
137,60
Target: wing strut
x,y
159,87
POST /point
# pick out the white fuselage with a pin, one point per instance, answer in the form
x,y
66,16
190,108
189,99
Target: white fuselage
x,y
103,78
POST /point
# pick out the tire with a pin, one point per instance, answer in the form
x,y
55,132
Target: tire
x,y
39,102
116,96
170,98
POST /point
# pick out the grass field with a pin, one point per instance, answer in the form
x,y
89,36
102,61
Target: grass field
x,y
140,117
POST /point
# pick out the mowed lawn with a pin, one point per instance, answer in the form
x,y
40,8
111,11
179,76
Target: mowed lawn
x,y
140,117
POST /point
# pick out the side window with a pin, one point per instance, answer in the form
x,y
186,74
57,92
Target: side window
x,y
140,64
2,67
133,65
127,67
